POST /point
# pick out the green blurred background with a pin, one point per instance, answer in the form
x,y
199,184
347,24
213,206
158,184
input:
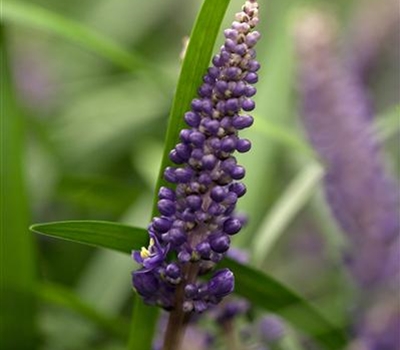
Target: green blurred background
x,y
83,125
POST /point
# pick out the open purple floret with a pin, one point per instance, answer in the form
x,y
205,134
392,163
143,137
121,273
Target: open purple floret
x,y
197,217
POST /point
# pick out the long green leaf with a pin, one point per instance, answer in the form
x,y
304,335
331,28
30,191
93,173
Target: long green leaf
x,y
260,289
95,233
33,16
17,256
61,296
197,59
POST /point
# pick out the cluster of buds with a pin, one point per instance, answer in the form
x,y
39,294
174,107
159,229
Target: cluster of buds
x,y
197,216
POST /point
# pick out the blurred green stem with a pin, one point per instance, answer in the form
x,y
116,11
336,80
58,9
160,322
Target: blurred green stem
x,y
17,258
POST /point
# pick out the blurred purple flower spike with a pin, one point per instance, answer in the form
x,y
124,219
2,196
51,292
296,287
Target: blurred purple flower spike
x,y
338,120
197,217
362,197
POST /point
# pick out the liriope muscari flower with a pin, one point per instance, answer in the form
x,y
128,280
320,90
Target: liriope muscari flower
x,y
197,215
338,120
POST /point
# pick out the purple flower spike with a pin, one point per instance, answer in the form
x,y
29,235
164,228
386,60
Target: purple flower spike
x,y
338,120
362,197
197,214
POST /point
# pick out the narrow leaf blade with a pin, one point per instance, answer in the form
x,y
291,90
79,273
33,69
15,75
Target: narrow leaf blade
x,y
96,233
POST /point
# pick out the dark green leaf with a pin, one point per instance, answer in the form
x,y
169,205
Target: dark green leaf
x,y
262,290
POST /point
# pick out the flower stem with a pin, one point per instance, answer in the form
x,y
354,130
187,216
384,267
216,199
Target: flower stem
x,y
177,320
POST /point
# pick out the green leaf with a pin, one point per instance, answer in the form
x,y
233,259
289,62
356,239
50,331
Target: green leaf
x,y
195,64
293,199
33,16
61,296
96,233
262,290
17,257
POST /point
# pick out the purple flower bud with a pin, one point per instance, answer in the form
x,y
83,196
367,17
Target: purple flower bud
x,y
218,194
228,144
173,155
197,105
250,91
177,236
222,283
232,226
192,119
183,175
242,121
166,193
169,175
204,249
183,151
194,202
248,105
221,86
251,78
205,90
166,207
232,105
239,188
184,135
191,291
238,172
252,38
197,138
173,271
209,161
162,224
243,145
145,283
220,243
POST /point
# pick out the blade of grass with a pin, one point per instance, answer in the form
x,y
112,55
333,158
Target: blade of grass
x,y
295,196
17,258
262,290
33,16
61,296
